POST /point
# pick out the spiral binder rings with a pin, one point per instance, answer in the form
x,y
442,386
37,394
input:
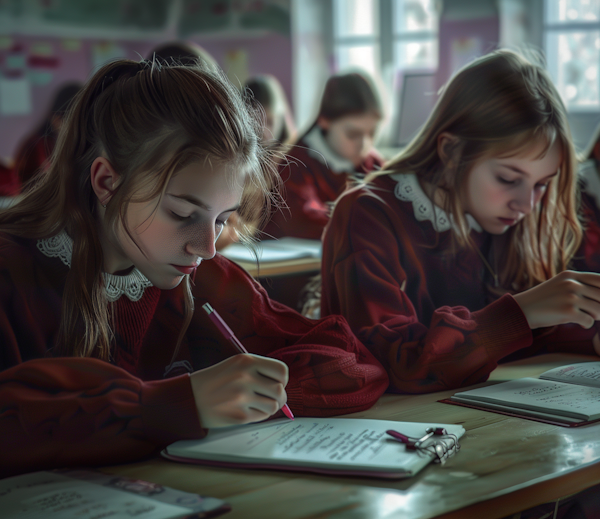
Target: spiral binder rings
x,y
437,443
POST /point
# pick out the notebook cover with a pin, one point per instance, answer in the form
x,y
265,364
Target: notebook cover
x,y
517,415
289,468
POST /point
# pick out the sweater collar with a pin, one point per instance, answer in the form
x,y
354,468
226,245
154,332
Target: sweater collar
x,y
408,189
132,284
320,149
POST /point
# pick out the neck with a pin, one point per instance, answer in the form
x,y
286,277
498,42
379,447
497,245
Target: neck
x,y
115,261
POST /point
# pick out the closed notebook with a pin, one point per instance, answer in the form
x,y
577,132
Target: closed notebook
x,y
340,446
568,396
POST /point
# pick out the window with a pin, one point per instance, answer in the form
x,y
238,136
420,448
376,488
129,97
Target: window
x,y
365,29
572,33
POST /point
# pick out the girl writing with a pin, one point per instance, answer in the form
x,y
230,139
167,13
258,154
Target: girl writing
x,y
338,144
455,257
106,353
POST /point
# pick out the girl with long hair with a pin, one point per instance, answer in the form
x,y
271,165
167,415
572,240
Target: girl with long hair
x,y
338,146
105,352
456,255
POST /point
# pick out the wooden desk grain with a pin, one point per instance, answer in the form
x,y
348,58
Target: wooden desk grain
x,y
505,465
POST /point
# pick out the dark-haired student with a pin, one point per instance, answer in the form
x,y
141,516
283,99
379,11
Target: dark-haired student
x,y
339,144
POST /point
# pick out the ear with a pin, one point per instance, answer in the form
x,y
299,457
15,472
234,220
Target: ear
x,y
323,123
104,179
446,144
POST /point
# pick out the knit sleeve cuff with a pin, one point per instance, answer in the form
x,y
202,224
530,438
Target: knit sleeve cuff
x,y
503,327
169,410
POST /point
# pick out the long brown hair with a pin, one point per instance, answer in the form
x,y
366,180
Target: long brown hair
x,y
501,105
149,120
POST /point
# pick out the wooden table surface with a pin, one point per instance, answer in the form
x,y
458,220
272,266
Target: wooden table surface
x,y
505,465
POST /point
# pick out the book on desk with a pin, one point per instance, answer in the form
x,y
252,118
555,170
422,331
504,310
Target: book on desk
x,y
277,257
332,446
568,396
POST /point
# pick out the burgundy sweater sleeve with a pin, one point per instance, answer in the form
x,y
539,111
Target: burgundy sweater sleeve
x,y
364,281
74,411
331,372
306,214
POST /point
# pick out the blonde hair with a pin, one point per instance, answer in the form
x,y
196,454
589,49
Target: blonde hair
x,y
149,120
500,105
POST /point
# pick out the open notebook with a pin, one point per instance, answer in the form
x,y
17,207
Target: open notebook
x,y
568,396
337,446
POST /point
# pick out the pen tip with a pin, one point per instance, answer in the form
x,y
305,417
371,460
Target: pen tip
x,y
209,309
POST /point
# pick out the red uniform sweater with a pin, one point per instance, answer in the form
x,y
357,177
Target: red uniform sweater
x,y
312,179
423,311
84,411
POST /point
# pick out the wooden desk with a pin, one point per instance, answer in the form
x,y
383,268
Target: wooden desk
x,y
281,268
505,465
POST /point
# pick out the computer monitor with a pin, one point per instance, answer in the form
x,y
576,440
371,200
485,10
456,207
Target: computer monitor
x,y
417,98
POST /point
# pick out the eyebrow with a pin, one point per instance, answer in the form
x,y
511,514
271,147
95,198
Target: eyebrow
x,y
197,202
520,171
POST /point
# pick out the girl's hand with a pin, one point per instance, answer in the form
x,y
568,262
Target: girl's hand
x,y
569,297
241,389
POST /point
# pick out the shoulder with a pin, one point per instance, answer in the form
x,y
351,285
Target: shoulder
x,y
221,274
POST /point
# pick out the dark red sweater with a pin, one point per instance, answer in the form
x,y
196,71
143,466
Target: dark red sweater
x,y
310,185
423,311
82,411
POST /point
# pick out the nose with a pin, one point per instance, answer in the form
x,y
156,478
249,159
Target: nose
x,y
525,201
201,242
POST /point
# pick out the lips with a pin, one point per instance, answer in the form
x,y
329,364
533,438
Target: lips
x,y
185,270
508,221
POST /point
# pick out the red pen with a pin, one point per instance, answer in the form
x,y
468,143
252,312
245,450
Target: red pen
x,y
228,334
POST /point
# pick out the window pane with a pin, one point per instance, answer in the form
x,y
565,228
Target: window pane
x,y
354,17
576,56
565,11
357,56
416,54
414,15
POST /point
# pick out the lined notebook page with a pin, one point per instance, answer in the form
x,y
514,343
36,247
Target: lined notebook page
x,y
318,442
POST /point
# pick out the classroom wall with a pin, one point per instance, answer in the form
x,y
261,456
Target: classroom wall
x,y
37,58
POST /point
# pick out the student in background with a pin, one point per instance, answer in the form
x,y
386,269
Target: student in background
x,y
267,93
106,354
588,257
456,255
338,145
33,153
182,53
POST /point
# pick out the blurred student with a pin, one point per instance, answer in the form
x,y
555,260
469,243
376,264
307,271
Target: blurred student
x,y
105,352
456,255
588,257
33,153
336,147
182,53
268,95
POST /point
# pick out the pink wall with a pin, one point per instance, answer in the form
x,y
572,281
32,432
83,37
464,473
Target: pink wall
x,y
270,54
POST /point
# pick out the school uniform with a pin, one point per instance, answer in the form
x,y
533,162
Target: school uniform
x,y
313,177
425,312
588,256
84,411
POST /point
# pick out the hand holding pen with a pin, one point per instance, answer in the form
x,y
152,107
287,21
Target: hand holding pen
x,y
250,386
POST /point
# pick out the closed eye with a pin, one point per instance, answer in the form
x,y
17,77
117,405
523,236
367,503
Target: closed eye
x,y
505,181
179,217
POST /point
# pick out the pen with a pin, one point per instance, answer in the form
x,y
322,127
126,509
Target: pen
x,y
226,331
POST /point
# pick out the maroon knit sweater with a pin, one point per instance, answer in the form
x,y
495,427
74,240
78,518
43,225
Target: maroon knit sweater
x,y
58,412
424,311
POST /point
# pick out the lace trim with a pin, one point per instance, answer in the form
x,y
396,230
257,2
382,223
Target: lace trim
x,y
408,189
319,149
132,285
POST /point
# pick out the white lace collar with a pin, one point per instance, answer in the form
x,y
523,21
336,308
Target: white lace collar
x,y
408,189
132,285
320,149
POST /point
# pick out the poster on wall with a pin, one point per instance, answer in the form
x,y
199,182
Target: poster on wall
x,y
15,96
105,51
